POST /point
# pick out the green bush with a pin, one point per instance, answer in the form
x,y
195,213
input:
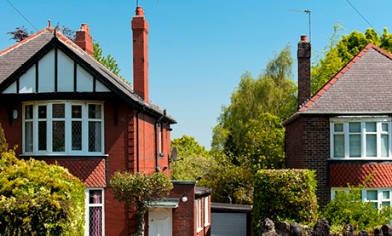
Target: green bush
x,y
348,207
285,195
39,199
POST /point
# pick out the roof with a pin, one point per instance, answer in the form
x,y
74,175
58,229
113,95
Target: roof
x,y
18,55
225,207
363,86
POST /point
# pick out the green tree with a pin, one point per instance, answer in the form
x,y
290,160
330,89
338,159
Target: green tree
x,y
37,198
108,61
138,190
342,49
243,127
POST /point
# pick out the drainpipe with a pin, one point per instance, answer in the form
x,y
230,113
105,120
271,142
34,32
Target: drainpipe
x,y
137,138
157,154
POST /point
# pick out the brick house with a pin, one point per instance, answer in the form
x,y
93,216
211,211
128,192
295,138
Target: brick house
x,y
344,130
58,104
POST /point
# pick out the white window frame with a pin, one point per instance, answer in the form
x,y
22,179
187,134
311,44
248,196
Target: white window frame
x,y
68,127
381,198
206,211
345,121
88,205
198,217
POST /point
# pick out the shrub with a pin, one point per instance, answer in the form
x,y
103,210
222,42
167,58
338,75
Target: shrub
x,y
284,195
348,207
37,198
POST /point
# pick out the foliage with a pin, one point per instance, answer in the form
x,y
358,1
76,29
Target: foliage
x,y
108,61
342,49
19,34
256,104
348,207
285,195
138,190
38,199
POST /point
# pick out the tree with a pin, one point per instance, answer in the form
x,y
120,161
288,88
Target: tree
x,y
243,127
37,198
19,34
342,49
138,190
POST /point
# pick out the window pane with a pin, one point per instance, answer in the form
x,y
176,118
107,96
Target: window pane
x,y
42,112
77,111
355,127
355,145
371,194
58,136
95,221
94,111
385,127
28,137
371,127
385,195
76,135
338,127
58,111
94,136
384,145
29,112
338,145
42,135
371,146
95,196
386,204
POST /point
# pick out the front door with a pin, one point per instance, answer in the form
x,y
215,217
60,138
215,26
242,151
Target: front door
x,y
160,222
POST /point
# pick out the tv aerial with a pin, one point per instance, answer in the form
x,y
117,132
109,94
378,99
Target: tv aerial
x,y
310,28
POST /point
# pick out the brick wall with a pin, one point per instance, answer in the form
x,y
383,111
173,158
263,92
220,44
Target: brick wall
x,y
308,146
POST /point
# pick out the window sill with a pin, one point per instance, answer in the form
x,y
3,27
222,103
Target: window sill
x,y
361,159
62,155
206,225
198,230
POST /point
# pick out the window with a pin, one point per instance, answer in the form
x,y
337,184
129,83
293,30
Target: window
x,y
94,215
198,209
63,127
206,211
360,138
378,197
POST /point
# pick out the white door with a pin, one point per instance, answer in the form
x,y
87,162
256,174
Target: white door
x,y
160,222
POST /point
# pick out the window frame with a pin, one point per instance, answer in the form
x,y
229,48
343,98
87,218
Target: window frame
x,y
206,211
68,121
89,205
362,120
199,226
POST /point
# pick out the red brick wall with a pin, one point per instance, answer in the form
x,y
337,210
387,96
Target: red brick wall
x,y
308,146
184,222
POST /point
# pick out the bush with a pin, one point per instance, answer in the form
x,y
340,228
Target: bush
x,y
39,199
348,207
285,195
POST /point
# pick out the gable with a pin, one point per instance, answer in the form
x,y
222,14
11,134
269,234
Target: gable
x,y
364,85
55,72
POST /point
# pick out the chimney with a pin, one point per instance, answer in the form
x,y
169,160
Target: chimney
x,y
303,55
140,54
84,40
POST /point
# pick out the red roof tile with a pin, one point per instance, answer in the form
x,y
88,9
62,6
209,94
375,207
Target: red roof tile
x,y
89,170
354,174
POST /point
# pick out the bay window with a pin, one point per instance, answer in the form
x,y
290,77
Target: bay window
x,y
63,127
377,197
360,137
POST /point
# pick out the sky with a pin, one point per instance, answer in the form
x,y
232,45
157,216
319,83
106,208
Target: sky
x,y
198,49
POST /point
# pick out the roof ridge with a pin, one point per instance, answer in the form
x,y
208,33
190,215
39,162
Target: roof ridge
x,y
13,46
340,73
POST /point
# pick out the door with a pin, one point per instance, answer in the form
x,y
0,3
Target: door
x,y
160,222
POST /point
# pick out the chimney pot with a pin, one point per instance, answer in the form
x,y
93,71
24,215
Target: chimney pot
x,y
139,11
304,38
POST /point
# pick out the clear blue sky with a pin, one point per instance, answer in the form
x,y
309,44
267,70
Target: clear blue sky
x,y
198,49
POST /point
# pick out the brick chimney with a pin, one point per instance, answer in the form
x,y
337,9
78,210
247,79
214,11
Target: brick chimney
x,y
140,54
84,40
303,55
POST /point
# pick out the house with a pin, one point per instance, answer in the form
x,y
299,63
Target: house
x,y
344,130
60,105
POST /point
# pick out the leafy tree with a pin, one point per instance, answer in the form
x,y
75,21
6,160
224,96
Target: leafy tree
x,y
37,198
108,61
342,49
256,104
138,190
19,34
